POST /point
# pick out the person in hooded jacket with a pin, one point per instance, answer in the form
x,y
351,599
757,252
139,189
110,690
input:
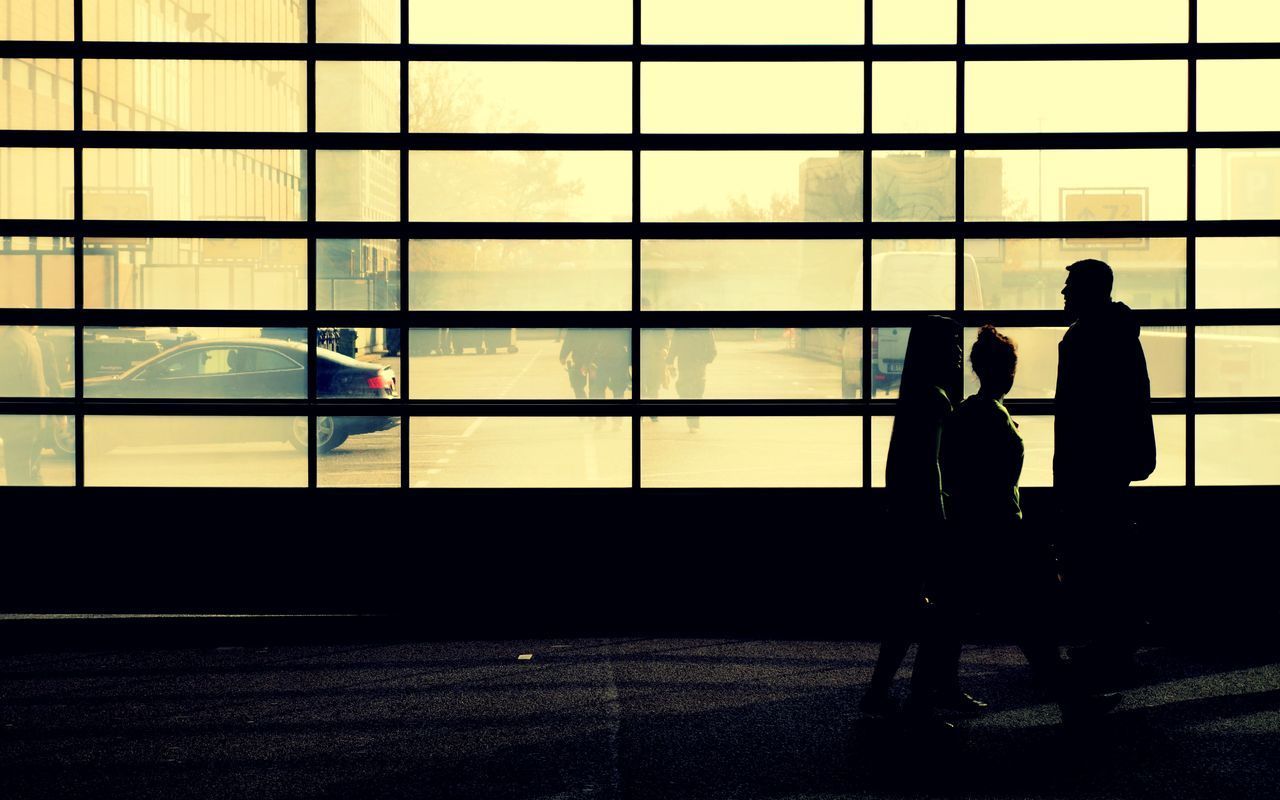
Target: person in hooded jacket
x,y
1104,439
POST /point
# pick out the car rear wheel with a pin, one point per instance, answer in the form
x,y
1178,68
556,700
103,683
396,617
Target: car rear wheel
x,y
62,439
328,435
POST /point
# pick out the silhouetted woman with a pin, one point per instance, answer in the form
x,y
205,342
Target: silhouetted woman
x,y
930,378
1000,568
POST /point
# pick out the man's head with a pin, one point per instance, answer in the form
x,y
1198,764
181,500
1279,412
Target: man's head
x,y
1088,286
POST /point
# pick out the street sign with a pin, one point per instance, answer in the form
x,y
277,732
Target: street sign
x,y
1087,205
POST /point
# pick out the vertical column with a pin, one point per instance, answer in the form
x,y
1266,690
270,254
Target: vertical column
x,y
1192,38
404,243
77,104
312,267
636,320
959,157
865,266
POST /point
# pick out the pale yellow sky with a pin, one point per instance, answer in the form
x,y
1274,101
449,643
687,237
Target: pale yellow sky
x,y
752,22
684,181
1097,21
520,21
915,22
1226,95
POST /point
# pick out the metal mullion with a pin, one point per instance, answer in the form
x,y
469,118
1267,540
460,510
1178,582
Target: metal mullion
x,y
1190,421
313,266
636,140
77,202
958,243
405,329
868,27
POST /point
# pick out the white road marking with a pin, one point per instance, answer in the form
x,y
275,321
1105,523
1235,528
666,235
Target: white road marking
x,y
472,427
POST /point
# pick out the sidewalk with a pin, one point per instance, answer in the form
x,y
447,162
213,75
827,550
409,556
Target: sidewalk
x,y
637,718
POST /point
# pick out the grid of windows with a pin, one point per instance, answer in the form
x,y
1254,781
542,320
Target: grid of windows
x,y
615,243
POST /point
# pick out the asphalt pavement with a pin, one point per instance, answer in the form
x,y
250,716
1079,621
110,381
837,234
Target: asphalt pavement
x,y
606,718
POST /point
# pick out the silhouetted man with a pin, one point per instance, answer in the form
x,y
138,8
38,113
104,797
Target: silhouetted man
x,y
692,349
576,354
22,374
1103,439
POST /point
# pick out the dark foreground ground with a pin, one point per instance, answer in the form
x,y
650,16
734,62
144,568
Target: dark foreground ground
x,y
606,718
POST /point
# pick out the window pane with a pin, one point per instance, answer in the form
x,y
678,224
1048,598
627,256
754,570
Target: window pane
x,y
1238,272
358,274
921,22
915,274
1238,21
358,96
37,361
520,364
37,450
519,97
25,20
36,93
240,274
1237,449
1238,361
1165,350
750,363
357,452
521,22
358,185
172,95
918,186
888,351
1030,273
1075,185
195,451
751,186
747,97
357,363
520,186
913,97
1221,104
165,21
731,22
195,363
372,21
751,451
36,183
499,451
37,272
1075,96
1088,21
751,274
1037,442
138,184
1238,184
520,274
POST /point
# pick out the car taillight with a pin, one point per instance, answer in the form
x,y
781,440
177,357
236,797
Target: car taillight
x,y
381,382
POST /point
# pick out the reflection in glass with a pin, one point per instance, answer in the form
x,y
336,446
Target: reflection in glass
x,y
919,22
358,274
44,20
357,452
519,186
166,21
519,97
257,274
36,183
520,364
751,97
520,274
36,93
751,186
183,95
1165,350
1237,360
1237,449
521,22
1030,273
366,21
751,274
180,184
1074,96
919,274
1222,88
915,186
37,361
195,363
357,363
1237,184
528,452
1083,21
1242,272
752,451
37,450
37,272
1237,21
888,352
358,185
174,450
750,363
358,96
732,22
913,96
1075,185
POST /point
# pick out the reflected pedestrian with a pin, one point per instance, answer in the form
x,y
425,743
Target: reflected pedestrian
x,y
655,346
22,374
575,357
610,369
692,349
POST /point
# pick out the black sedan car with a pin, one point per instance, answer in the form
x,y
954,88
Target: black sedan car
x,y
255,369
